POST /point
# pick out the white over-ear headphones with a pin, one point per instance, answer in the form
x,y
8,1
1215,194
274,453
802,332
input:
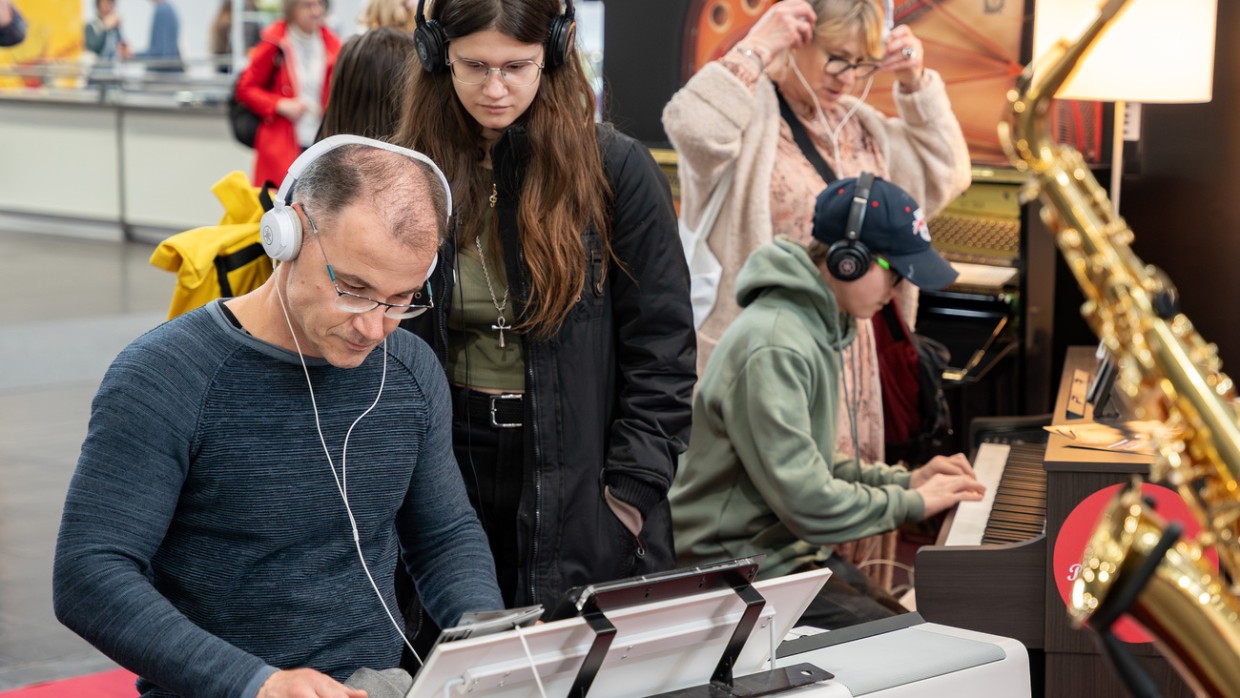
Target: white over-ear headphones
x,y
281,226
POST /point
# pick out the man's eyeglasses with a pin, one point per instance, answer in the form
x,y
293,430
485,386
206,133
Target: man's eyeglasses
x,y
836,65
516,73
356,303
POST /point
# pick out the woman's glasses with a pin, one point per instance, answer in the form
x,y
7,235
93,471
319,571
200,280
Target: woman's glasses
x,y
516,73
836,65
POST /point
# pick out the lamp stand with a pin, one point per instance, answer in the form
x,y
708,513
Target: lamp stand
x,y
1117,152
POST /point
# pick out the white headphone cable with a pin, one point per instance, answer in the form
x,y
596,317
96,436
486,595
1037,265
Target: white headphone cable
x,y
529,655
849,406
341,482
850,403
833,134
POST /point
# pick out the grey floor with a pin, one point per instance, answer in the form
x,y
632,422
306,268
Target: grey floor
x,y
66,308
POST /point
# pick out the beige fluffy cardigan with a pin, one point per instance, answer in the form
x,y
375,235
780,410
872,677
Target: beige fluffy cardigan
x,y
715,119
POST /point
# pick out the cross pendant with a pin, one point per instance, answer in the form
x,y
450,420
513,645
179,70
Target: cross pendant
x,y
501,325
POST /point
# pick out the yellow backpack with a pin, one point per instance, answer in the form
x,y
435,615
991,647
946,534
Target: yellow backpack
x,y
218,261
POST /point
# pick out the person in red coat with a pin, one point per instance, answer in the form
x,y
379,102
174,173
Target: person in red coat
x,y
286,84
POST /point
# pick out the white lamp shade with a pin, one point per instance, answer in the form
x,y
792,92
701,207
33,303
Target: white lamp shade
x,y
1154,51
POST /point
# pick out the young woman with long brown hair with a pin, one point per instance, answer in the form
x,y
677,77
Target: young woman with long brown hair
x,y
562,300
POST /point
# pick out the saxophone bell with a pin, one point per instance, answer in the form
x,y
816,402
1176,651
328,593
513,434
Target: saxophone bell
x,y
1140,565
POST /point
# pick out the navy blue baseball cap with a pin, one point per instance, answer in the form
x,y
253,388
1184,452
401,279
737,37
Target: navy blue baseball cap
x,y
894,228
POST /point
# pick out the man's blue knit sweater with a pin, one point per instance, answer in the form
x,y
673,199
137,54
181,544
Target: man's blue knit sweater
x,y
205,542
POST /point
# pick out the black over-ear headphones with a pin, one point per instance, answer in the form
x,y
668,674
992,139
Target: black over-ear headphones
x,y
432,44
849,259
280,227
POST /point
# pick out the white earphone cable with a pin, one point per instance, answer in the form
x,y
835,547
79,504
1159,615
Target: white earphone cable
x,y
833,134
341,479
850,402
533,665
849,405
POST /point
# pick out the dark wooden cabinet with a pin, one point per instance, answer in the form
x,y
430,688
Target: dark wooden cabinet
x,y
1010,590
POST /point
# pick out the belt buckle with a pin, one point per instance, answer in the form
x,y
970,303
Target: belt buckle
x,y
494,421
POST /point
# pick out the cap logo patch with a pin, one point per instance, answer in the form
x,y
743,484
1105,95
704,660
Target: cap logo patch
x,y
920,228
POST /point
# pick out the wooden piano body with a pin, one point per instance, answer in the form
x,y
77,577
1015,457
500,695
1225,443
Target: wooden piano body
x,y
1007,589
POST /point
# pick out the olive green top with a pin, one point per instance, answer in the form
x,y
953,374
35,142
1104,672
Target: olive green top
x,y
475,357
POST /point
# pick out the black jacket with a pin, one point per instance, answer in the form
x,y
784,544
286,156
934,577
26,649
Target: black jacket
x,y
608,398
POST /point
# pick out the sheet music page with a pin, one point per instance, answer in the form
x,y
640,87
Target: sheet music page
x,y
971,517
983,275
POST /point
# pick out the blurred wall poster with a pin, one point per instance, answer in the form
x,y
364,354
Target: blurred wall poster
x,y
974,44
53,35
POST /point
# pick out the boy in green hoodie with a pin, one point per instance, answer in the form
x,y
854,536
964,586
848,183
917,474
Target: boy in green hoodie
x,y
761,475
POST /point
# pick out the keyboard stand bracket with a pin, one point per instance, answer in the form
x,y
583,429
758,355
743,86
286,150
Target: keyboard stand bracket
x,y
763,683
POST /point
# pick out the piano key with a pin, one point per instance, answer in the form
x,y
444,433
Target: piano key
x,y
971,517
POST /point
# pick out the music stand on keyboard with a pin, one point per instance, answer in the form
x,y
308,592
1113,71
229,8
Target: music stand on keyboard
x,y
667,645
1102,387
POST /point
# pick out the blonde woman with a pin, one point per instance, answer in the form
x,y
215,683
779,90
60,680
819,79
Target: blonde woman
x,y
388,13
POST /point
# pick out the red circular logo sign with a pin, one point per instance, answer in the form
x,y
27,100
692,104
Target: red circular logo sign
x,y
1079,527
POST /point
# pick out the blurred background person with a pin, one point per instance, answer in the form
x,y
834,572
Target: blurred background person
x,y
221,34
163,51
389,13
287,85
103,33
12,25
368,84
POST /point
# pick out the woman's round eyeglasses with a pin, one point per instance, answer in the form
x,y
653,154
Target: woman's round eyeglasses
x,y
515,73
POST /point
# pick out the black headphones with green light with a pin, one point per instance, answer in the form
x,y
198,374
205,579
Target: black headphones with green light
x,y
849,259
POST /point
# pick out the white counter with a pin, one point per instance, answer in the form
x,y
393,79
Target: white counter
x,y
140,167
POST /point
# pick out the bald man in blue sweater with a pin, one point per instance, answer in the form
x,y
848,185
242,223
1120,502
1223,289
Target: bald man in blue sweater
x,y
243,459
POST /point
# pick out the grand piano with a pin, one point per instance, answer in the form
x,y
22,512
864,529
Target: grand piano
x,y
991,569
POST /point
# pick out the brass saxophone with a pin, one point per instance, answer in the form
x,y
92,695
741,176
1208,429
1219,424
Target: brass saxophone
x,y
1169,373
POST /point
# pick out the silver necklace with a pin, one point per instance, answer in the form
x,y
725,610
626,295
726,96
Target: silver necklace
x,y
501,323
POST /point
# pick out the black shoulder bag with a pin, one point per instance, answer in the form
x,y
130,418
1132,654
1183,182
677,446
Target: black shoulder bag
x,y
244,123
803,142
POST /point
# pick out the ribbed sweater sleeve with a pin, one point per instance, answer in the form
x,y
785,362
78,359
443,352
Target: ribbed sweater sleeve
x,y
119,508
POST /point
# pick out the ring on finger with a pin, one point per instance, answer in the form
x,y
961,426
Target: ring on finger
x,y
907,52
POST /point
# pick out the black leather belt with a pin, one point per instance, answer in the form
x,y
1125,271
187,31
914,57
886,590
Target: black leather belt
x,y
504,411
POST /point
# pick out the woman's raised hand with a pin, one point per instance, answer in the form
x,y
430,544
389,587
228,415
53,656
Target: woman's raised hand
x,y
786,25
903,56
